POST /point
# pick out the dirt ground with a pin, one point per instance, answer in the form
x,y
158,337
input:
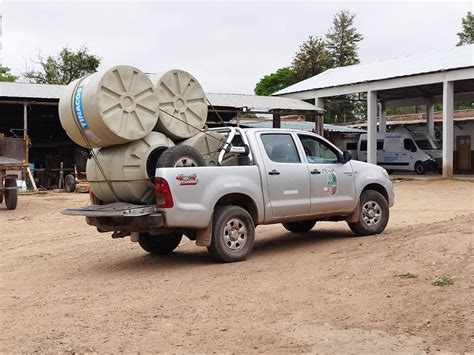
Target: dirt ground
x,y
67,288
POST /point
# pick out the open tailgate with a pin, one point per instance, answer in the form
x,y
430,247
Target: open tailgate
x,y
116,209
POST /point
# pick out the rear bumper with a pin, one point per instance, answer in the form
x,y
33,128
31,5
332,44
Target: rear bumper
x,y
127,224
120,217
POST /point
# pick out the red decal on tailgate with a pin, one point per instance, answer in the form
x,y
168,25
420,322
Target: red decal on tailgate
x,y
187,179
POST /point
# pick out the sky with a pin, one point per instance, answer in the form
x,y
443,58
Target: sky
x,y
227,46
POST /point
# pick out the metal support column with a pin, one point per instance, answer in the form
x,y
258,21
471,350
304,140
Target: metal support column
x,y
430,119
382,118
319,120
276,120
448,103
372,127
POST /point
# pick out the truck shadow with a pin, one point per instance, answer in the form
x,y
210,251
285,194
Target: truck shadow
x,y
266,247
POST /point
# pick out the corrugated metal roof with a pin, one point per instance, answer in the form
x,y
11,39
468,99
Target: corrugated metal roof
x,y
302,125
259,103
30,91
236,101
455,58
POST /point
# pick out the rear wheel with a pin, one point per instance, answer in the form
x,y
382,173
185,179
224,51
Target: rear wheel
x,y
159,244
373,214
300,227
233,234
11,195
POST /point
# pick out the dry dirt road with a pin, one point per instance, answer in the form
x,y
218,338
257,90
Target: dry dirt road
x,y
67,288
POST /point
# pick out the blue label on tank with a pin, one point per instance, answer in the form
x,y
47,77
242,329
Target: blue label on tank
x,y
78,112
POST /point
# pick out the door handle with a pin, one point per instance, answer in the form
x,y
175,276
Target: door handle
x,y
315,172
273,172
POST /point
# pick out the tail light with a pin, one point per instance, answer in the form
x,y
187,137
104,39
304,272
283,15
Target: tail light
x,y
164,199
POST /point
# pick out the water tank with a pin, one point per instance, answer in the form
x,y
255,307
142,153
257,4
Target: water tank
x,y
209,144
114,106
183,104
129,169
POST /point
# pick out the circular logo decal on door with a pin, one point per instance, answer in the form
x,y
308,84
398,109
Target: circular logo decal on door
x,y
332,184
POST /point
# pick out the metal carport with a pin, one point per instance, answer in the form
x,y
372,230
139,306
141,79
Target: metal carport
x,y
425,79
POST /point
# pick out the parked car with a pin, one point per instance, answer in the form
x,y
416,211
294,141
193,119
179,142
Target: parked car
x,y
398,151
284,176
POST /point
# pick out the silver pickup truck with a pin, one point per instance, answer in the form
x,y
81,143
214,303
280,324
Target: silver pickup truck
x,y
282,176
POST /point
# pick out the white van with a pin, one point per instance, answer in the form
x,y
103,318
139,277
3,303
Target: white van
x,y
398,151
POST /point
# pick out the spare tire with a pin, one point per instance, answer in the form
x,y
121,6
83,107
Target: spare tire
x,y
180,156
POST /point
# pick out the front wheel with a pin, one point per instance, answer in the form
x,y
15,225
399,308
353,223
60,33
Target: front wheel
x,y
420,168
233,234
373,214
300,227
159,244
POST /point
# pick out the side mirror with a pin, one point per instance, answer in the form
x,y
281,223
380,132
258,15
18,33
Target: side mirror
x,y
346,156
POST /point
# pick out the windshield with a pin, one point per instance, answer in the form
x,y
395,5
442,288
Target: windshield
x,y
424,144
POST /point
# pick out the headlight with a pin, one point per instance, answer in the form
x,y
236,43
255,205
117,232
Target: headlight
x,y
386,173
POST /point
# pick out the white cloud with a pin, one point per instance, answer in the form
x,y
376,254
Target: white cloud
x,y
227,46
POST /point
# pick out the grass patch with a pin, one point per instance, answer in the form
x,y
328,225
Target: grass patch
x,y
406,275
444,281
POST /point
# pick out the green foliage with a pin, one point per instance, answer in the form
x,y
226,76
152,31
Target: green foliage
x,y
274,82
64,68
5,75
466,36
342,39
311,59
444,281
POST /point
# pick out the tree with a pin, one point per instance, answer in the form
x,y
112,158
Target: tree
x,y
466,36
64,68
274,82
341,44
311,59
342,39
5,74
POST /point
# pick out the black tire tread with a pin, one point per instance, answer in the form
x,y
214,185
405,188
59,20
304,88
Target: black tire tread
x,y
11,196
359,227
169,157
300,227
160,244
217,250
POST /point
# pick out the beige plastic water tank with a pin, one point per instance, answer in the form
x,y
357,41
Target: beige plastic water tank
x,y
209,144
183,104
114,106
128,167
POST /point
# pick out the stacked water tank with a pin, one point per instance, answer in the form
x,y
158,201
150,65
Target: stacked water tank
x,y
128,120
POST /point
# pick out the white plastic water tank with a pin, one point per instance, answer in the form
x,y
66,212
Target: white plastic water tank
x,y
114,106
208,144
183,104
129,168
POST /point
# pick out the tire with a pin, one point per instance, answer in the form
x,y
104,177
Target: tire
x,y
159,244
233,234
1,194
11,196
300,227
180,156
420,168
373,216
70,183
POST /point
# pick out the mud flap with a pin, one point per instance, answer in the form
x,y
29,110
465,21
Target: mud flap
x,y
203,236
354,217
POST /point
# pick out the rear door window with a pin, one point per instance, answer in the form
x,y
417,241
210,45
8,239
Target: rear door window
x,y
280,148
